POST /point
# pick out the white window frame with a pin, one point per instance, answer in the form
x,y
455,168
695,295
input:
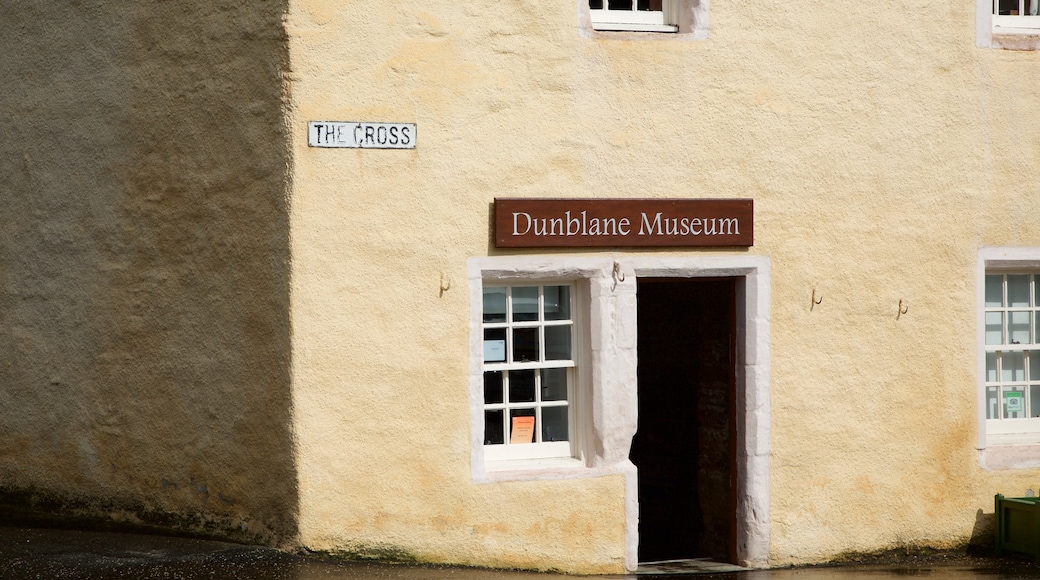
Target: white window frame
x,y
537,449
664,20
1015,32
606,405
1003,443
681,19
1001,429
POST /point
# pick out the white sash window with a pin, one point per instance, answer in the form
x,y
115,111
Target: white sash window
x,y
635,15
1011,16
529,368
1012,350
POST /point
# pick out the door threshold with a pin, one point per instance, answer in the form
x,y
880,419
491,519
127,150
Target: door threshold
x,y
690,566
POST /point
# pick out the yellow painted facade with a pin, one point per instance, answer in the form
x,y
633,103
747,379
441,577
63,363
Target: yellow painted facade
x,y
882,148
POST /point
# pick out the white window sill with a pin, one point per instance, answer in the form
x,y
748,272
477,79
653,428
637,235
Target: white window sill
x,y
533,464
1016,24
548,469
998,30
1015,32
621,27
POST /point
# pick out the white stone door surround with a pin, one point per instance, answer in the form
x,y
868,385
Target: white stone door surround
x,y
609,408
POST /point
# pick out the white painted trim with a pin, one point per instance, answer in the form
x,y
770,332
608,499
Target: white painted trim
x,y
626,27
994,456
513,269
753,402
984,23
610,413
690,18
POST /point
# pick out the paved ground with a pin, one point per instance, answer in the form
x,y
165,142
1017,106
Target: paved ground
x,y
27,552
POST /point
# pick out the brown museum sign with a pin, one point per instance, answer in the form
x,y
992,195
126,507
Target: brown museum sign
x,y
541,223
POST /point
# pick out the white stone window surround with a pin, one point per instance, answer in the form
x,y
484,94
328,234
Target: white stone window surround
x,y
689,17
606,400
1008,32
991,454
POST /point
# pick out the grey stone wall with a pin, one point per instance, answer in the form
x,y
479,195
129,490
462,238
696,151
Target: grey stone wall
x,y
144,264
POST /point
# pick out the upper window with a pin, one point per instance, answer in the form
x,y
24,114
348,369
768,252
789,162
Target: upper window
x,y
1012,343
1011,24
1010,16
529,371
635,15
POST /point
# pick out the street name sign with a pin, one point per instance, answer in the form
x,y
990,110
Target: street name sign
x,y
360,135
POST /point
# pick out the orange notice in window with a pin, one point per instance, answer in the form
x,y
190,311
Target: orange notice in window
x,y
523,430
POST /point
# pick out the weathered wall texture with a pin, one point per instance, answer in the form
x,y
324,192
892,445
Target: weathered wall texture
x,y
144,332
881,147
145,310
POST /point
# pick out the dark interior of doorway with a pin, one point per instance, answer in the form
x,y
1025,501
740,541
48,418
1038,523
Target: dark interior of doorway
x,y
685,446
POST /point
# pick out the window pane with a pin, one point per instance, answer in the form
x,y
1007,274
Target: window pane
x,y
558,342
596,4
557,303
1018,327
1007,7
494,304
1014,404
525,304
1034,366
1018,290
493,387
619,4
994,323
516,428
994,291
525,345
1034,401
1012,367
991,367
494,345
1036,328
521,386
554,384
494,428
991,403
554,424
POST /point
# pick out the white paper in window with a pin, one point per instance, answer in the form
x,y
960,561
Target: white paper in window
x,y
494,350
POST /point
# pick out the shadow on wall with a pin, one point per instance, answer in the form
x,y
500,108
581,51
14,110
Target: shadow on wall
x,y
144,265
982,540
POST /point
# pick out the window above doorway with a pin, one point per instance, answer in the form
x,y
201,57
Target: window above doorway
x,y
677,19
635,15
1010,24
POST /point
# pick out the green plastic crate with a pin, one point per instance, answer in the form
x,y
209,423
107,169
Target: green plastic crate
x,y
1018,525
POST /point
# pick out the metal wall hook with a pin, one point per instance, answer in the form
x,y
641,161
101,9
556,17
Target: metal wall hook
x,y
445,285
617,274
815,302
903,308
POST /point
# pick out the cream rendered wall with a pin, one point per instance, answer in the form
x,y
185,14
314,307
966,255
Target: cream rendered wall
x,y
881,147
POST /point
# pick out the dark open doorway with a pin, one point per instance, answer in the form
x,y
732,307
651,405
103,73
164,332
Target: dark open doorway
x,y
685,445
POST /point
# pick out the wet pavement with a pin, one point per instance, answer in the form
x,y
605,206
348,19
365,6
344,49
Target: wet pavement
x,y
56,553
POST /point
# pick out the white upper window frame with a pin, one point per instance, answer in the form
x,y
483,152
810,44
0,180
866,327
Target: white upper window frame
x,y
635,20
1015,32
679,19
1002,444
